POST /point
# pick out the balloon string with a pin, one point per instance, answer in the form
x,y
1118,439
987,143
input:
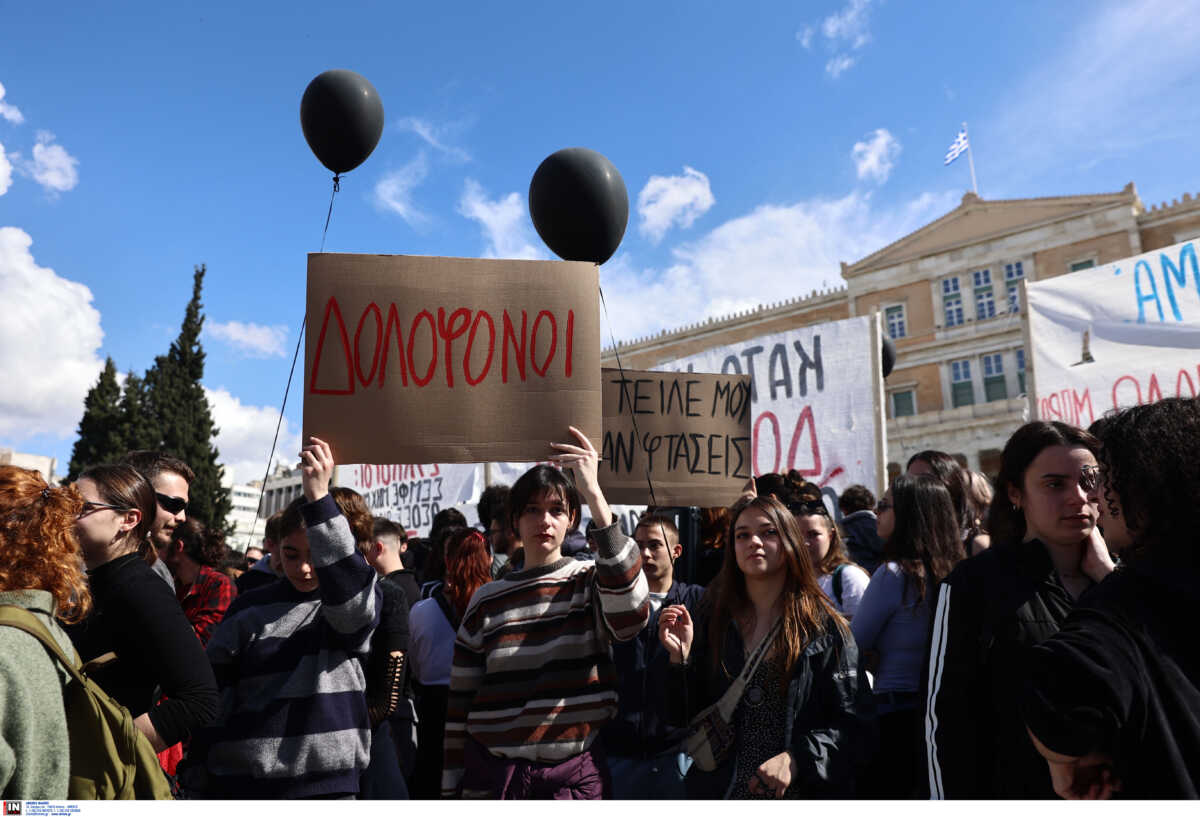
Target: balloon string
x,y
625,397
291,373
337,185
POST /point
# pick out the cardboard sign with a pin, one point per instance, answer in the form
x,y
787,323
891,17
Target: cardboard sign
x,y
816,401
413,359
688,434
411,495
1115,336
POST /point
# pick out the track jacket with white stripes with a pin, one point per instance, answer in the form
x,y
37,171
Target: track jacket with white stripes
x,y
991,611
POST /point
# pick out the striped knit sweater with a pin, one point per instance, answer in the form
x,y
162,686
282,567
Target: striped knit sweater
x,y
293,713
533,676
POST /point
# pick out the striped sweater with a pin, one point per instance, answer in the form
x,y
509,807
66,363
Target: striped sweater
x,y
293,713
533,676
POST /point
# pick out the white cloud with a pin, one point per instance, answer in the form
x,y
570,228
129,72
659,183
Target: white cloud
x,y
673,200
843,32
394,191
1082,105
51,166
244,436
251,339
775,252
6,169
49,340
839,65
505,223
874,158
434,135
8,111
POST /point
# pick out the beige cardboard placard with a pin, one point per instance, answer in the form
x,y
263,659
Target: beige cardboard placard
x,y
693,432
414,359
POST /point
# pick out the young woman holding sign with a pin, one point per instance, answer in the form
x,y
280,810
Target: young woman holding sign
x,y
800,721
532,679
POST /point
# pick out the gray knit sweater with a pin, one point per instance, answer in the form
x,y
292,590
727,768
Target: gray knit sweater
x,y
34,753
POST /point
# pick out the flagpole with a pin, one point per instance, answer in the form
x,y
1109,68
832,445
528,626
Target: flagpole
x,y
971,161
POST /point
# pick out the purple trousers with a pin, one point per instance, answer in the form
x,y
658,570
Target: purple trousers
x,y
583,777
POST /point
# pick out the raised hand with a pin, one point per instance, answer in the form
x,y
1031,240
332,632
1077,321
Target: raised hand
x,y
316,469
675,632
581,457
1097,563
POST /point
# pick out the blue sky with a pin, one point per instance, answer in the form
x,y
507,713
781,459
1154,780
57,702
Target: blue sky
x,y
761,144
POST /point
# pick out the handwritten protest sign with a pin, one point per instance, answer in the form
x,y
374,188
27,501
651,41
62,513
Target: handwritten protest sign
x,y
411,495
1115,336
415,359
815,395
688,434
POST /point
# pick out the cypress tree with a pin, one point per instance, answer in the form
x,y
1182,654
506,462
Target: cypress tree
x,y
137,426
182,418
100,429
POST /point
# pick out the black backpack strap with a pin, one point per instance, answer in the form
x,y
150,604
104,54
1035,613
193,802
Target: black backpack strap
x,y
837,583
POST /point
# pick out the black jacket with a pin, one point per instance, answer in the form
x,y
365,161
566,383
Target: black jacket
x,y
862,539
1122,677
991,611
640,728
830,727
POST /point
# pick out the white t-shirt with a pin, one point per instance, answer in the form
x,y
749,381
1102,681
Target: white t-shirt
x,y
854,584
656,601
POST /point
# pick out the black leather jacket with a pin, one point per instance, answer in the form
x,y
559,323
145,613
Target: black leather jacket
x,y
830,716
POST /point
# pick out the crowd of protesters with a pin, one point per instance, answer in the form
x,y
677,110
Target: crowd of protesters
x,y
962,637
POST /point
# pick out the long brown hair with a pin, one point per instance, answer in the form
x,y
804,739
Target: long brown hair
x,y
806,610
925,541
467,567
38,547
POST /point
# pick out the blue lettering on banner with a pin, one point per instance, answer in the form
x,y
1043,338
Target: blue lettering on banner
x,y
1179,274
1137,286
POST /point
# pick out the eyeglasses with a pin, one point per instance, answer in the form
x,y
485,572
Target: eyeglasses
x,y
1089,478
171,504
92,507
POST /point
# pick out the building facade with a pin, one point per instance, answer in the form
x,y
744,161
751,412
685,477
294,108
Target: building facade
x,y
949,297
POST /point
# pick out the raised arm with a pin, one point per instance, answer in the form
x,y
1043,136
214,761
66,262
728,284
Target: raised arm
x,y
620,584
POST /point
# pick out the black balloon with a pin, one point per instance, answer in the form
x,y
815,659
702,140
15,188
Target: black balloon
x,y
889,356
342,119
579,206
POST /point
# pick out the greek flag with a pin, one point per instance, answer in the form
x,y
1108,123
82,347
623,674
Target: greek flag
x,y
960,144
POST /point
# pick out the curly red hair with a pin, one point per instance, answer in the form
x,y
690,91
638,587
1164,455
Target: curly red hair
x,y
38,547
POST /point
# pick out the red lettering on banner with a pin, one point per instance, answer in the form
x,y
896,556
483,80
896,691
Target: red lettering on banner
x,y
449,333
570,341
491,349
332,308
1153,392
1079,403
1117,384
364,476
1179,383
806,418
412,332
393,319
766,415
520,350
370,310
541,370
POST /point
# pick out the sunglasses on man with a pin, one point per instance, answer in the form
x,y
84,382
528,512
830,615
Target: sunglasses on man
x,y
171,504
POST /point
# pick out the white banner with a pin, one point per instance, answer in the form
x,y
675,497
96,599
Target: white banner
x,y
506,473
411,495
1115,336
816,392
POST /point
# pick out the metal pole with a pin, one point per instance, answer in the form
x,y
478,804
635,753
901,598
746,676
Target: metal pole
x,y
971,161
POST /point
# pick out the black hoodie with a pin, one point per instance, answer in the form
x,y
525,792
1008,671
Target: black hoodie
x,y
1122,677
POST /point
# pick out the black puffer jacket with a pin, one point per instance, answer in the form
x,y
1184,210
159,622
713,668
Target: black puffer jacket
x,y
830,716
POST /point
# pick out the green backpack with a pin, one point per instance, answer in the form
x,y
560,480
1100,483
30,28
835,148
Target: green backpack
x,y
110,758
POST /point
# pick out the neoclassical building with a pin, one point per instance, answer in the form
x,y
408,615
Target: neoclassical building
x,y
949,297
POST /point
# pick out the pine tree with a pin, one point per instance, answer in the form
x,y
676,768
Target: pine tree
x,y
181,416
100,428
137,426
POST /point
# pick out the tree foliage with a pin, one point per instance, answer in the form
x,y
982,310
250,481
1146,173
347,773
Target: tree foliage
x,y
101,432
